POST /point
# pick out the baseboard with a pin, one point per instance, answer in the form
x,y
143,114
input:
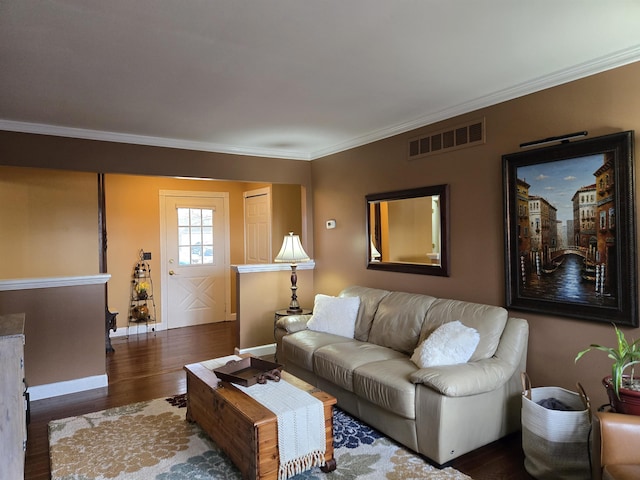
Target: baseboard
x,y
135,329
38,392
259,351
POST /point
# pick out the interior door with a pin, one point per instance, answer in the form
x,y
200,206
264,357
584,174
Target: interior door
x,y
257,226
195,258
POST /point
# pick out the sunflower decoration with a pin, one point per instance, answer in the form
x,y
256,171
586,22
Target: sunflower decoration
x,y
142,290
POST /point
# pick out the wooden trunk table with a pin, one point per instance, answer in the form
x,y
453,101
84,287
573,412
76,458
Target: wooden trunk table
x,y
243,428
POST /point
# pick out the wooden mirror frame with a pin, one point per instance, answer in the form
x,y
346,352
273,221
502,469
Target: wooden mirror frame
x,y
441,270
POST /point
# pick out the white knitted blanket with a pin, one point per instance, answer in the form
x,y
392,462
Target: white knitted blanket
x,y
301,434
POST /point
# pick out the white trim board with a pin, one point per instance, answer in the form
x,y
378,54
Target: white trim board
x,y
39,392
257,351
51,282
272,267
135,329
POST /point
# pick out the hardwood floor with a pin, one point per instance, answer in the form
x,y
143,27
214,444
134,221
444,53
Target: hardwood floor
x,y
145,367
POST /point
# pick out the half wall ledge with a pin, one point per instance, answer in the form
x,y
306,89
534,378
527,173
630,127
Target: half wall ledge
x,y
263,289
51,282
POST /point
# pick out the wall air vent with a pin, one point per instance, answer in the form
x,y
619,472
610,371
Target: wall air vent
x,y
453,138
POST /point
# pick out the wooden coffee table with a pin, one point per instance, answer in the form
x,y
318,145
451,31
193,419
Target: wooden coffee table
x,y
243,428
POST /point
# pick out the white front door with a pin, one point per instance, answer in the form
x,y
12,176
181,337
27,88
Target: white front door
x,y
195,257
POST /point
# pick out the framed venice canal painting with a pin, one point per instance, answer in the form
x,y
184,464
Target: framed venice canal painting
x,y
570,230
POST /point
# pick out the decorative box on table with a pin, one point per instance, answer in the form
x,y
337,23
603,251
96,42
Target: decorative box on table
x,y
249,371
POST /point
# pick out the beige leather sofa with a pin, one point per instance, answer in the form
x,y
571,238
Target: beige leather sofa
x,y
441,412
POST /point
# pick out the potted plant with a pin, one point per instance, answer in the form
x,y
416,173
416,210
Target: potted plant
x,y
623,390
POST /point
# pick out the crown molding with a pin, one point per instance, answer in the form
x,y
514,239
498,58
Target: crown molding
x,y
598,65
560,77
87,134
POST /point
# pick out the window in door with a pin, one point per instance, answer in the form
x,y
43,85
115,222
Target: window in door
x,y
195,236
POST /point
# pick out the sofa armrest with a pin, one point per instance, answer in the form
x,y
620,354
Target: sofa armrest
x,y
615,440
293,323
467,378
483,375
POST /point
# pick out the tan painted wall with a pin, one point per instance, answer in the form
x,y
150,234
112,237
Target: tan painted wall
x,y
48,223
64,331
602,104
261,294
43,151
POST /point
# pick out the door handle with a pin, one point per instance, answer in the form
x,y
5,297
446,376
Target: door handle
x,y
171,272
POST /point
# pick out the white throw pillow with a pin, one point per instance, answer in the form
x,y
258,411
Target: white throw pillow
x,y
336,315
450,344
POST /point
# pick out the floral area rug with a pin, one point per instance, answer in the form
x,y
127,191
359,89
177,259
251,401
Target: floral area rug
x,y
152,440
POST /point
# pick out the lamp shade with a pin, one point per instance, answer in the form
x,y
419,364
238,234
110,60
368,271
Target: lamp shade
x,y
292,251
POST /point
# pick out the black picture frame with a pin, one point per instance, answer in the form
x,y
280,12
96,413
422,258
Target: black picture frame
x,y
570,230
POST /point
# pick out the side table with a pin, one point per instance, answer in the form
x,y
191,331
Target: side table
x,y
283,313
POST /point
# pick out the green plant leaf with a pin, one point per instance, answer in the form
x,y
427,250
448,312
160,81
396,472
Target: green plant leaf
x,y
624,355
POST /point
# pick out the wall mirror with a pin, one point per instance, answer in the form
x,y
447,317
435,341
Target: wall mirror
x,y
408,231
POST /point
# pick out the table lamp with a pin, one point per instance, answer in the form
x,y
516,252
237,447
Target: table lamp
x,y
292,253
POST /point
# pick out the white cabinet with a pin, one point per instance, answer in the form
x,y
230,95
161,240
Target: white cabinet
x,y
13,431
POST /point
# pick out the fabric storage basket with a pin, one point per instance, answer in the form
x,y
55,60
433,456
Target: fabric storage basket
x,y
555,442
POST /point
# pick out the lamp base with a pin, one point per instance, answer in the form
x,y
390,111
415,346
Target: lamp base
x,y
294,306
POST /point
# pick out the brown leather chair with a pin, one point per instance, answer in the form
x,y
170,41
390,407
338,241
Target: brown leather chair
x,y
616,446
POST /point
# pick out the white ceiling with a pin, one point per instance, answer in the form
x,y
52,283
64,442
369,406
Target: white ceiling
x,y
289,78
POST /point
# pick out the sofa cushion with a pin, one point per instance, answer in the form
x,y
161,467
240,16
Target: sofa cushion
x,y
398,321
336,315
449,344
336,362
488,320
299,347
387,384
369,300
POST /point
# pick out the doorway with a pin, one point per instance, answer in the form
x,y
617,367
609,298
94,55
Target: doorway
x,y
195,265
